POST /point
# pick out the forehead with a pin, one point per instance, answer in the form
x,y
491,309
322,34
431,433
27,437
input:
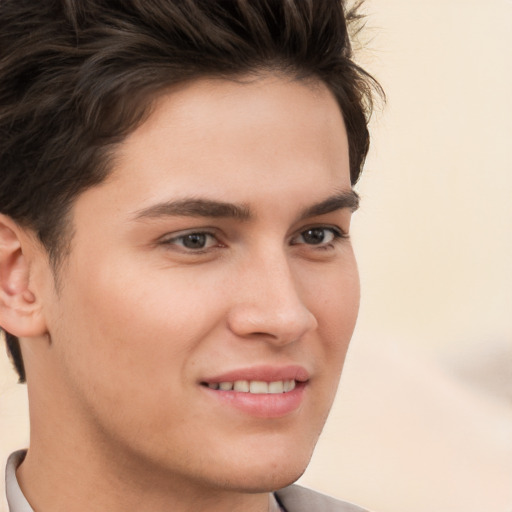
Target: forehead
x,y
248,142
211,128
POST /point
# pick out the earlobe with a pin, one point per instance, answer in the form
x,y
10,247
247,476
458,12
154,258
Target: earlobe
x,y
20,311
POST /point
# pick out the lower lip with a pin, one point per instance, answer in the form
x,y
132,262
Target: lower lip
x,y
261,405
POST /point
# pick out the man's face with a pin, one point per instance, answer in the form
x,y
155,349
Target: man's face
x,y
214,256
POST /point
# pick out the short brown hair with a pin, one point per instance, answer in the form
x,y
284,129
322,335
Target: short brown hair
x,y
77,76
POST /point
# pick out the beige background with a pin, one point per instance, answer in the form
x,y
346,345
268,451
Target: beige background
x,y
423,420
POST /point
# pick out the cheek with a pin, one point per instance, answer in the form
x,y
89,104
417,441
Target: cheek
x,y
336,301
138,325
341,310
122,335
337,307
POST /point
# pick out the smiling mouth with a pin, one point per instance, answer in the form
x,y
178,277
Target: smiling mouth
x,y
256,387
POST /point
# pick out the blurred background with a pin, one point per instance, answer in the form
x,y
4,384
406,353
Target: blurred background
x,y
423,418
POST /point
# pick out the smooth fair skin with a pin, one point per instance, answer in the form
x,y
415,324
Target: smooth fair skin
x,y
217,249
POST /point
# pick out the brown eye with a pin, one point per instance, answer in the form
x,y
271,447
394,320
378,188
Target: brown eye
x,y
321,236
314,236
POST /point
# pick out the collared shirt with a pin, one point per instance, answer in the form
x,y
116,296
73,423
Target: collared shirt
x,y
15,499
18,503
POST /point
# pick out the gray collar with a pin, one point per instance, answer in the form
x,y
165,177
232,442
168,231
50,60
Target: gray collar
x,y
15,499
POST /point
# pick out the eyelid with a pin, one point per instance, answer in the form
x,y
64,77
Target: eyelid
x,y
333,227
170,239
338,232
188,231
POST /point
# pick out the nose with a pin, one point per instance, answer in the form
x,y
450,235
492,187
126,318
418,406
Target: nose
x,y
267,304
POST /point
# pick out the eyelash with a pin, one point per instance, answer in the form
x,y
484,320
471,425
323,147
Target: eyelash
x,y
175,239
337,236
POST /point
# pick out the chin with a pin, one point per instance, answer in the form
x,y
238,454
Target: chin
x,y
269,474
268,461
271,480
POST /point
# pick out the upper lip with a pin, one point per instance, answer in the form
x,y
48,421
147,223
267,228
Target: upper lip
x,y
265,373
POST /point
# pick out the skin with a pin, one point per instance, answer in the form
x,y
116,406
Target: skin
x,y
140,320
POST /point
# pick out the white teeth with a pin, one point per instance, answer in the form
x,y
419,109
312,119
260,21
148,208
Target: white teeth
x,y
241,385
289,385
276,387
257,387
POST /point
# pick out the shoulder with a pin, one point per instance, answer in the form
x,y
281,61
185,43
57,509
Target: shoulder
x,y
299,499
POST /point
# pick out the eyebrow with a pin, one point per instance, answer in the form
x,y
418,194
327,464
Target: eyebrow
x,y
196,207
348,199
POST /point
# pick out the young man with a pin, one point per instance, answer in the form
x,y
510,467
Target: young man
x,y
177,283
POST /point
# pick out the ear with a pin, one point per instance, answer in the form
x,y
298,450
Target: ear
x,y
20,309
